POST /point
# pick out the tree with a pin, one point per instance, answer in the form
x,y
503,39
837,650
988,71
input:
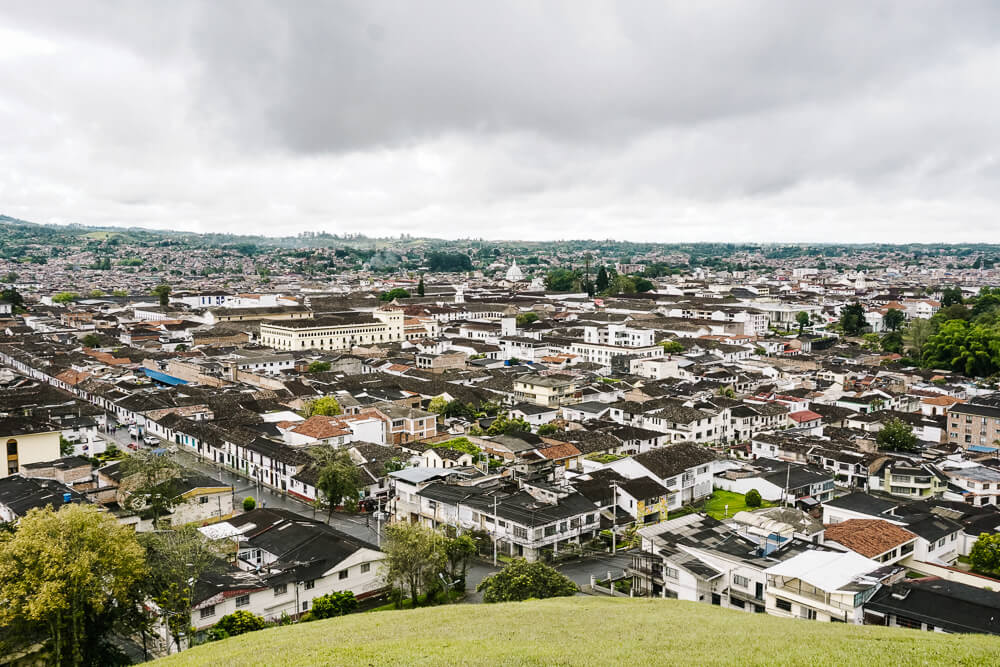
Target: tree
x,y
9,278
337,476
752,498
237,623
603,281
971,349
803,319
892,342
985,554
333,604
521,580
13,297
65,297
438,405
318,367
562,280
852,319
951,296
524,319
547,429
249,504
326,406
642,284
393,294
414,557
73,577
458,550
505,425
420,286
163,292
896,435
918,331
176,560
119,293
149,483
91,340
671,347
894,319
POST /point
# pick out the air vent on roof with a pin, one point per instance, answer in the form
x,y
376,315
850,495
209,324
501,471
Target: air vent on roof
x,y
901,594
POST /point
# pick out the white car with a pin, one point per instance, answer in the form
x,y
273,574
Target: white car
x,y
151,440
133,431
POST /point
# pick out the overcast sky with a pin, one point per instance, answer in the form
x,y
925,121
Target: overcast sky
x,y
739,121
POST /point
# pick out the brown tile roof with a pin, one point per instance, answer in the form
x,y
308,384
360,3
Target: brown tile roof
x,y
72,377
868,537
321,427
556,452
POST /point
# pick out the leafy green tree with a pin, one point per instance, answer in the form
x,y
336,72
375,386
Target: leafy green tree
x,y
9,278
13,297
852,319
438,405
985,554
333,604
642,284
249,504
603,281
119,293
971,349
420,286
237,623
65,297
327,406
520,580
149,483
337,476
951,296
163,292
803,320
894,319
393,294
896,435
523,319
892,342
73,578
506,425
414,557
91,340
318,367
752,498
671,347
918,331
176,560
547,429
562,280
458,550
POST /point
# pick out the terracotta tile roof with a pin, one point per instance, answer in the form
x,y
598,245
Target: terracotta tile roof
x,y
868,537
556,452
321,427
72,377
804,416
941,400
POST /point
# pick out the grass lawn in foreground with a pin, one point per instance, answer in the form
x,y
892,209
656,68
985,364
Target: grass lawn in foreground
x,y
715,506
587,631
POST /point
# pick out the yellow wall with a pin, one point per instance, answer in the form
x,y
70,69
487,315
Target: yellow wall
x,y
33,448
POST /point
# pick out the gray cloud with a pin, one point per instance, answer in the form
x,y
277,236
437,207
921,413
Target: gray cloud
x,y
769,121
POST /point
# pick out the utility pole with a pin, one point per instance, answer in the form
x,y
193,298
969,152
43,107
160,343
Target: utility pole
x,y
788,474
496,533
614,517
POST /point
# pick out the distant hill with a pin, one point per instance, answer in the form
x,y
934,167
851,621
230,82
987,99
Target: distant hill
x,y
587,631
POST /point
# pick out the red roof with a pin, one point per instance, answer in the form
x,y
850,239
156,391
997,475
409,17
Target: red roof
x,y
804,416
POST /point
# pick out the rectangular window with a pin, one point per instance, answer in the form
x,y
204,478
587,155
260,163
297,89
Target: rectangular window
x,y
280,589
343,574
207,612
670,572
741,581
309,585
242,601
365,568
783,605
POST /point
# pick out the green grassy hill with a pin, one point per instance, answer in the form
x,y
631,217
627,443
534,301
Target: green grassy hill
x,y
587,631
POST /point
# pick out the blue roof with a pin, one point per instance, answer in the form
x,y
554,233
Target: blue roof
x,y
163,377
982,448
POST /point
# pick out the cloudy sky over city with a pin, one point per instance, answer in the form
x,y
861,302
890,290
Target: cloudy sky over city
x,y
740,121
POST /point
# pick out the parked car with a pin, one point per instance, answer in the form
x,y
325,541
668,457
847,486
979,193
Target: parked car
x,y
133,431
151,440
132,445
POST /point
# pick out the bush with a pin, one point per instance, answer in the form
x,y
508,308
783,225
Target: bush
x,y
521,580
236,623
753,498
249,504
333,604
